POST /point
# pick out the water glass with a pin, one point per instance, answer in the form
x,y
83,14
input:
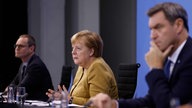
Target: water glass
x,y
19,95
10,95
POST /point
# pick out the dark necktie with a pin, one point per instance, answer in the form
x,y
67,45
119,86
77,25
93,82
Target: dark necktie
x,y
23,71
167,68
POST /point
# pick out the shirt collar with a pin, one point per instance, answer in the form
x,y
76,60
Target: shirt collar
x,y
175,55
25,64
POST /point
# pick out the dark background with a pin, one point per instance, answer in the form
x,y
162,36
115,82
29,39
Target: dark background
x,y
13,23
117,26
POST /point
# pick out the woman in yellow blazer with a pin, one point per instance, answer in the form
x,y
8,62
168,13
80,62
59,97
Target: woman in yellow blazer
x,y
93,75
97,78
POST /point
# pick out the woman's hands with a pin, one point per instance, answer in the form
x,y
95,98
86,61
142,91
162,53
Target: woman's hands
x,y
56,95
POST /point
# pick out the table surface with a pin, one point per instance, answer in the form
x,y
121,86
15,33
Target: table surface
x,y
31,104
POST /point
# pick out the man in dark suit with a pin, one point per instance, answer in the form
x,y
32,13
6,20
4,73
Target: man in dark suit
x,y
33,73
170,41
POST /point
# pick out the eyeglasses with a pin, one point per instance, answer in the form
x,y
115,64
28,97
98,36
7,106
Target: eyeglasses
x,y
20,46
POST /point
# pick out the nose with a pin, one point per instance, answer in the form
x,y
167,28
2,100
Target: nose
x,y
153,34
73,51
17,48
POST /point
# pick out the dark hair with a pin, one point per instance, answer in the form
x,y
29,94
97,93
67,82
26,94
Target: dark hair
x,y
31,40
172,11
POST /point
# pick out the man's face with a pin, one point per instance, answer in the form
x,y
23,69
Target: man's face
x,y
22,49
163,33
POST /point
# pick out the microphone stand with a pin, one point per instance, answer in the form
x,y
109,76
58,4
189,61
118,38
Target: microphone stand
x,y
23,98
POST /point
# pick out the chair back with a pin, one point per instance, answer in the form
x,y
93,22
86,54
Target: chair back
x,y
127,80
66,76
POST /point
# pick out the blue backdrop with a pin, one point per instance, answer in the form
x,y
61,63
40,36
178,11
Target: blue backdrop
x,y
143,37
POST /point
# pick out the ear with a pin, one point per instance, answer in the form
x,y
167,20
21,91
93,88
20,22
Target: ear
x,y
32,48
91,52
179,25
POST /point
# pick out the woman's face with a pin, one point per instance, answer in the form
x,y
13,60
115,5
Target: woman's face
x,y
81,54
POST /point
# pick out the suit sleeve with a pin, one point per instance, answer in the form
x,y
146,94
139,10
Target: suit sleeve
x,y
144,102
179,86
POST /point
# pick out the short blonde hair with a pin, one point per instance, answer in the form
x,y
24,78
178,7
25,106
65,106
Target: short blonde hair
x,y
91,40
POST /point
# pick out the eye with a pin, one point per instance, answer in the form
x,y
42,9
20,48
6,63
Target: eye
x,y
78,48
19,46
158,26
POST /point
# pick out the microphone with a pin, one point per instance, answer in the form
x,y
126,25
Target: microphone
x,y
50,100
24,96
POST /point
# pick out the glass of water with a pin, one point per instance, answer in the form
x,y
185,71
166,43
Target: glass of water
x,y
10,95
20,95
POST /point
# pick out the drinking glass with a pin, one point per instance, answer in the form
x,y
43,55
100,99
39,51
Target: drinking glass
x,y
19,95
10,95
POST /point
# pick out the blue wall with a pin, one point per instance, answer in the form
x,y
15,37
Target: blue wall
x,y
143,38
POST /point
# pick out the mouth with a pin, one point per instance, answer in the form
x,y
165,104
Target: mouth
x,y
157,44
75,58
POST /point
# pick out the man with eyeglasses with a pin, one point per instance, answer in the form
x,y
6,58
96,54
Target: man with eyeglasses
x,y
33,73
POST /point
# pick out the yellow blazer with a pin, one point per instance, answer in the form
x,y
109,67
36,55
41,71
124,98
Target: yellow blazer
x,y
98,78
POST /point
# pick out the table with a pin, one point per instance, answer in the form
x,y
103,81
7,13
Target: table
x,y
14,105
31,104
